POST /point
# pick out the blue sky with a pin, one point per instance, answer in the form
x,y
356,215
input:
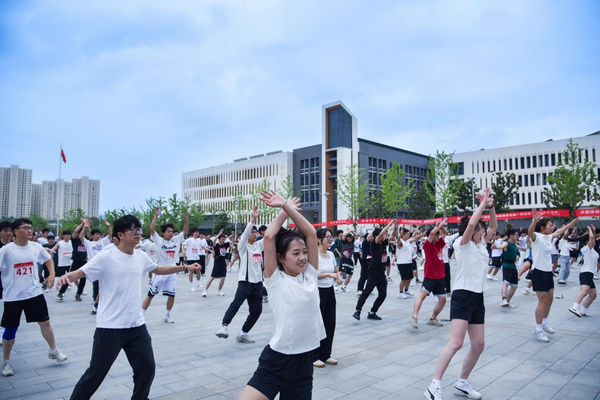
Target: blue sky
x,y
140,91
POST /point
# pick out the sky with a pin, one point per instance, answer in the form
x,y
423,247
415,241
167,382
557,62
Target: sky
x,y
139,92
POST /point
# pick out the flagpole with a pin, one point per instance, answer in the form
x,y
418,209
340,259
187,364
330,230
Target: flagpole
x,y
57,192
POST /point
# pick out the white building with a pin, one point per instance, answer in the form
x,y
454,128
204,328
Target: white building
x,y
215,188
15,192
531,163
36,198
59,197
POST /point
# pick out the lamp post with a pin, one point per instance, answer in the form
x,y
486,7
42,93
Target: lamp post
x,y
472,180
326,196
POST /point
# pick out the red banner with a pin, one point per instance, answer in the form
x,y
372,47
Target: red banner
x,y
587,212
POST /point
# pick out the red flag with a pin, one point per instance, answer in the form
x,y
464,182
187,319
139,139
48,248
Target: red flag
x,y
62,155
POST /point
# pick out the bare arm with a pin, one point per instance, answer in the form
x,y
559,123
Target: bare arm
x,y
534,220
153,223
50,279
437,228
78,232
109,229
185,224
562,230
468,234
270,258
381,235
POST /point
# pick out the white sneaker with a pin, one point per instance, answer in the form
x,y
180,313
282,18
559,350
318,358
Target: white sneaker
x,y
244,338
168,319
414,323
433,392
318,364
204,293
57,355
219,293
193,289
408,293
489,277
541,336
504,303
401,295
596,277
7,368
527,292
548,329
222,332
434,322
200,286
574,311
359,293
465,389
331,361
494,278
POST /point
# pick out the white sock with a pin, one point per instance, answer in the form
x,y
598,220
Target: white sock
x,y
545,321
576,306
143,311
583,310
167,313
436,382
538,328
462,381
195,280
242,333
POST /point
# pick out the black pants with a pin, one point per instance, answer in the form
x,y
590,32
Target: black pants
x,y
107,345
364,272
96,291
447,279
74,267
253,294
328,305
377,280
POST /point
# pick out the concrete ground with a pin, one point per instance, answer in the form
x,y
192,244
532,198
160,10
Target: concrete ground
x,y
377,359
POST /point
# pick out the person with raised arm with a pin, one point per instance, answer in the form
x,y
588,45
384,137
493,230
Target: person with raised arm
x,y
541,233
285,366
587,288
467,310
120,321
377,278
404,260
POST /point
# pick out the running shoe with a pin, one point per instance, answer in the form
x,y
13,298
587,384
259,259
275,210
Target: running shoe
x,y
359,293
540,336
356,315
374,316
168,319
434,322
204,293
504,303
57,355
219,293
433,392
77,297
414,323
489,277
574,311
222,333
318,364
561,281
401,295
192,288
244,338
60,297
466,390
586,314
528,292
548,329
331,361
408,293
7,368
94,309
389,279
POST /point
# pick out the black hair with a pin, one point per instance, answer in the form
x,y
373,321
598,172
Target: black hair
x,y
464,222
428,231
66,232
351,236
94,231
338,232
16,224
541,223
50,237
164,227
322,232
4,225
194,230
125,223
262,228
283,240
45,230
511,232
222,235
376,232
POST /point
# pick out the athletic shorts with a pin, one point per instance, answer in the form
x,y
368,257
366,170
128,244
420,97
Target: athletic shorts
x,y
510,275
166,283
574,253
543,281
406,271
36,310
414,264
219,271
347,266
468,306
587,278
435,286
497,262
290,375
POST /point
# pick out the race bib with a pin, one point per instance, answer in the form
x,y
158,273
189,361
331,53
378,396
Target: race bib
x,y
194,251
67,255
23,269
257,258
81,248
223,251
384,258
170,254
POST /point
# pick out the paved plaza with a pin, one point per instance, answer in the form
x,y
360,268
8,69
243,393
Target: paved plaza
x,y
377,359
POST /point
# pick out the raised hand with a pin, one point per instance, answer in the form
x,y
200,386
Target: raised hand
x,y
255,213
157,211
185,216
106,223
536,215
272,199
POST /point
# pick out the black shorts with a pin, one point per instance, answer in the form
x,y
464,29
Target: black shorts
x,y
587,278
510,275
219,271
496,262
468,306
406,271
77,264
543,281
347,266
414,264
574,253
435,286
289,375
36,310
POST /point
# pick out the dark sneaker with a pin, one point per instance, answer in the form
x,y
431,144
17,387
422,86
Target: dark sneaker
x,y
374,316
356,315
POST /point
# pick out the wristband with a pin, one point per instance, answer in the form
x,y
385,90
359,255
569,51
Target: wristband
x,y
283,204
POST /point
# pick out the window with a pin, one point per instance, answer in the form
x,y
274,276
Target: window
x,y
483,167
489,169
505,164
593,154
522,163
517,199
494,166
534,161
586,155
537,179
528,162
535,197
531,180
559,158
520,180
523,198
529,198
510,163
544,178
526,180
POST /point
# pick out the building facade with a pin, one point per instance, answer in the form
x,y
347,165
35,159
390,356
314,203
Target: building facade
x,y
15,192
531,163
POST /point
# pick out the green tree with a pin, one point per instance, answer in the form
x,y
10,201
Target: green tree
x,y
39,222
504,187
443,184
466,195
287,188
376,207
353,192
394,190
420,206
572,179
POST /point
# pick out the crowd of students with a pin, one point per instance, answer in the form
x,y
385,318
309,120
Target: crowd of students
x,y
300,270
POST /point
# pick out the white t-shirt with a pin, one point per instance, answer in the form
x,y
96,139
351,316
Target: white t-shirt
x,y
541,252
250,257
203,245
42,240
192,249
590,259
19,270
297,322
495,251
564,247
326,266
65,250
471,267
118,275
149,248
449,243
93,248
403,254
168,251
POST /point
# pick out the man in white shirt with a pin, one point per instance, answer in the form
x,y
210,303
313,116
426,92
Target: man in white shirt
x,y
64,248
249,282
167,249
193,247
22,292
120,321
93,247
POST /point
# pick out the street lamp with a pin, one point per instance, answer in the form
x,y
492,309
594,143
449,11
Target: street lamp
x,y
472,180
326,195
